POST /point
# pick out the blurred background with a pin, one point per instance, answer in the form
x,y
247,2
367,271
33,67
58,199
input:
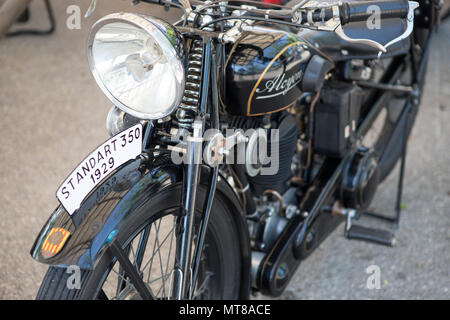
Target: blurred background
x,y
52,114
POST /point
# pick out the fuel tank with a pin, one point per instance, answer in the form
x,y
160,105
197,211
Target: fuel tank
x,y
264,73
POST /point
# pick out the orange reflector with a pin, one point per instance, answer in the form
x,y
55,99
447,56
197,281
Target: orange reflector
x,y
54,242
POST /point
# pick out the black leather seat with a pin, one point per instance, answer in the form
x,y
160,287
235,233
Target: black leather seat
x,y
339,49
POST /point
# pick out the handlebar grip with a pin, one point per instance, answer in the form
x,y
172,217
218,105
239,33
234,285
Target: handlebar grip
x,y
151,1
162,2
359,11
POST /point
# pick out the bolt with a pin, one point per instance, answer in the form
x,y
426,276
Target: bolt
x,y
144,156
282,272
309,237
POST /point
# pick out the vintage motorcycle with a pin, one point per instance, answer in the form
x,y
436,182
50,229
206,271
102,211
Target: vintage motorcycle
x,y
242,135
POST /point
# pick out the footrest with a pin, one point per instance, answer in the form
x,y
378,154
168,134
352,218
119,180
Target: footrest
x,y
384,237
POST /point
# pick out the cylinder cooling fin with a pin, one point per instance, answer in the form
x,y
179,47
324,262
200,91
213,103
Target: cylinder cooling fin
x,y
281,146
252,163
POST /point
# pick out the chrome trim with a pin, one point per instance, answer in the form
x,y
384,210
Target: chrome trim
x,y
152,26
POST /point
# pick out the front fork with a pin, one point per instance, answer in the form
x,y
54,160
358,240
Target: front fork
x,y
185,273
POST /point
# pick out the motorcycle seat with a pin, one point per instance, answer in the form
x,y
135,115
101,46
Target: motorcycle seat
x,y
339,49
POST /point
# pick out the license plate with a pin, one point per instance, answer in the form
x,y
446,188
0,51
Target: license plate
x,y
98,165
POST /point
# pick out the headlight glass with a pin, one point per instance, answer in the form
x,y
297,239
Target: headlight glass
x,y
137,61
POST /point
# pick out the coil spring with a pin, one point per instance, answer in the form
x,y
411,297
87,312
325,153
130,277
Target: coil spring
x,y
189,106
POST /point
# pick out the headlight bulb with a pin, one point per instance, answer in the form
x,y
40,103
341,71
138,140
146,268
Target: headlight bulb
x,y
153,53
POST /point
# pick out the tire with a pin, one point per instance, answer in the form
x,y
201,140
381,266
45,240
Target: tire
x,y
391,155
393,109
221,265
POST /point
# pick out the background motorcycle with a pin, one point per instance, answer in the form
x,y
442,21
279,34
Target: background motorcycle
x,y
199,231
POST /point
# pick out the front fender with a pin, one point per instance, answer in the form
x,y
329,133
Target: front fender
x,y
110,206
103,213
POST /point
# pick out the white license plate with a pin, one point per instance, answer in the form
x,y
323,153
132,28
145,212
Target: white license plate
x,y
98,165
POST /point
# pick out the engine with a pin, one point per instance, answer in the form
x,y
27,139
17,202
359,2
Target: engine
x,y
270,149
281,146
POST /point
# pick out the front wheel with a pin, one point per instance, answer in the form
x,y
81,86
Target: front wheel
x,y
150,241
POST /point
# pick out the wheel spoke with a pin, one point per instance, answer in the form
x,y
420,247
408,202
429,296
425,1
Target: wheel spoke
x,y
157,280
160,264
142,246
203,286
154,253
170,248
129,268
122,282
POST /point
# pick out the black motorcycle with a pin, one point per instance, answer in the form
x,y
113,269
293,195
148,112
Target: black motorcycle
x,y
242,135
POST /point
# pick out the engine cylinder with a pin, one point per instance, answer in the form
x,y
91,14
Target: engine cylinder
x,y
280,157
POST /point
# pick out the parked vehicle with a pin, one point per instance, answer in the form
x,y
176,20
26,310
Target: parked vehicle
x,y
241,136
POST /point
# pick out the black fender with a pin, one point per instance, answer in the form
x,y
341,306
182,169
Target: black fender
x,y
110,206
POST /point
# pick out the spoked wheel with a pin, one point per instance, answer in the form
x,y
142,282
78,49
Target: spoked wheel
x,y
382,129
152,253
149,242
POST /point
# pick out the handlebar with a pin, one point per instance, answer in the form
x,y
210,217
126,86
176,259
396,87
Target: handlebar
x,y
360,11
151,1
327,17
348,12
161,2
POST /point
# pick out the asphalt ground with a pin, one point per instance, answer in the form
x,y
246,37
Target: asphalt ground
x,y
53,114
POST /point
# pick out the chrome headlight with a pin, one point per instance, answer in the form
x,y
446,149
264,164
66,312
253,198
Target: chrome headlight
x,y
138,63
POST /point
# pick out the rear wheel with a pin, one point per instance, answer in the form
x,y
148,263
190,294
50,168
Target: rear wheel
x,y
381,132
383,128
150,243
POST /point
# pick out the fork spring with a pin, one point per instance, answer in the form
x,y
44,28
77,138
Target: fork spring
x,y
187,111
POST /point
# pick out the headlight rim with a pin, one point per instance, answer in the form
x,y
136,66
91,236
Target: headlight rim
x,y
148,24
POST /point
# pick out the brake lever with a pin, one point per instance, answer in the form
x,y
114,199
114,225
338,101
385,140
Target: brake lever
x,y
186,5
412,5
335,25
374,44
91,9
